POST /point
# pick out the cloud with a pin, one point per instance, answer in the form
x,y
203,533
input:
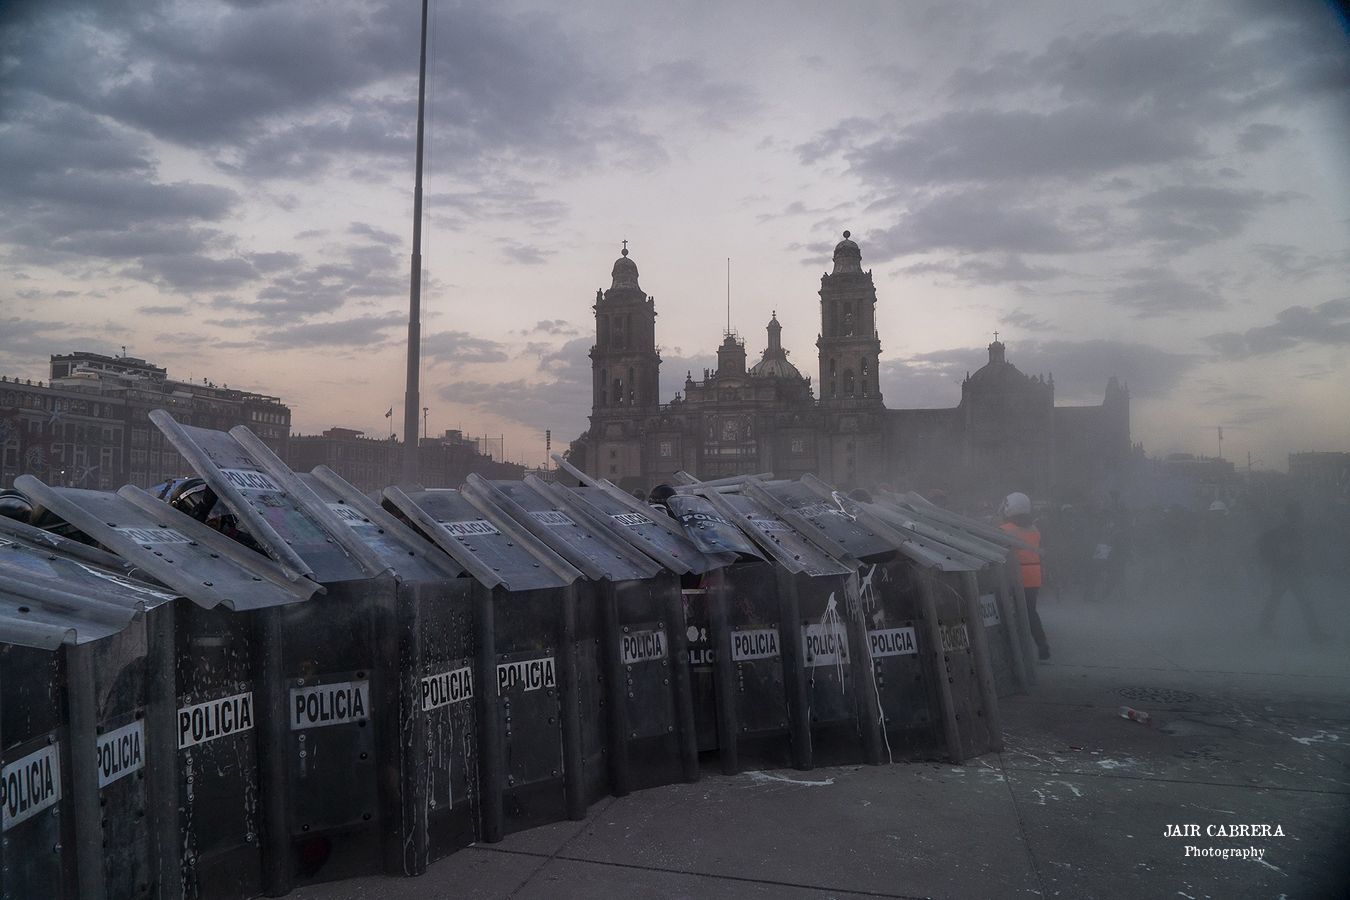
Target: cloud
x,y
355,271
1187,216
1157,292
1327,324
361,331
560,327
980,220
193,272
507,200
26,340
560,399
998,145
1292,263
1019,318
716,103
458,348
1260,136
525,254
974,270
1227,66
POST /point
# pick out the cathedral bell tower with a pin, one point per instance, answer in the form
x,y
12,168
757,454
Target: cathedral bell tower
x,y
625,372
848,343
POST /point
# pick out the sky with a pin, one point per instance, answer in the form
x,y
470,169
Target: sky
x,y
1154,191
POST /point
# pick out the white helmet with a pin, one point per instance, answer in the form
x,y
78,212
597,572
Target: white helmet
x,y
1218,506
1017,504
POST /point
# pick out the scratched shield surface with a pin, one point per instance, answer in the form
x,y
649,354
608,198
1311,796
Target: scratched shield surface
x,y
119,698
218,787
449,647
958,664
906,665
592,689
998,632
35,747
752,613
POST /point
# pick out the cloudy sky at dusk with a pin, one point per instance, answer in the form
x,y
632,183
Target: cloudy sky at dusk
x,y
1157,191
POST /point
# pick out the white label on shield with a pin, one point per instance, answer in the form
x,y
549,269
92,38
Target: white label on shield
x,y
955,637
469,528
552,517
989,610
631,519
892,642
213,719
248,480
643,646
30,784
154,535
329,704
526,674
445,688
824,645
759,643
347,514
120,752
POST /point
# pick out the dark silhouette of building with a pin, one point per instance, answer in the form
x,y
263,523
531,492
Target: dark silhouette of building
x,y
1005,434
89,426
374,463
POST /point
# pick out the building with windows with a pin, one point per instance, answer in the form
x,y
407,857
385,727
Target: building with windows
x,y
1005,433
372,464
89,425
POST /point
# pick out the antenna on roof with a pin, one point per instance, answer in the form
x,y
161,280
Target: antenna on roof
x,y
728,331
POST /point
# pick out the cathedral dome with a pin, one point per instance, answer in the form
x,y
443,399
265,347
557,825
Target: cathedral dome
x,y
847,256
625,273
774,363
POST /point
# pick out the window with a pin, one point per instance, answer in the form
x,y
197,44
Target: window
x,y
848,383
665,450
798,446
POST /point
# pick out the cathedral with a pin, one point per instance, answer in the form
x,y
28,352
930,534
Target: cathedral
x,y
1005,434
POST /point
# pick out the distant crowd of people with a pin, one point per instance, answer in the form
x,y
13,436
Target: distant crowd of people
x,y
1225,553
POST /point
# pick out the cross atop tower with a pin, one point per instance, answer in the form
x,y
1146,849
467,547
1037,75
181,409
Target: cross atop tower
x,y
625,247
995,336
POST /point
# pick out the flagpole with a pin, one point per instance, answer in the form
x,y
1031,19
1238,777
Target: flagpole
x,y
412,401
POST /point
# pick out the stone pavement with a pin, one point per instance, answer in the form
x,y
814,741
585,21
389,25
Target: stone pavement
x,y
1246,730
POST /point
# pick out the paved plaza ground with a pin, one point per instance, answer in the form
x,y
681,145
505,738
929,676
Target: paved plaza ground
x,y
1248,728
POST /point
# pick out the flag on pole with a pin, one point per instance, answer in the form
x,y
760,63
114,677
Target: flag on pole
x,y
390,414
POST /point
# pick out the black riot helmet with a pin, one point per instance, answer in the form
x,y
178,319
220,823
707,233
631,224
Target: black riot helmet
x,y
16,505
661,493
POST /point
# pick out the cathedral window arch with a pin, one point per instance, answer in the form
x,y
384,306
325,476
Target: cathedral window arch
x,y
618,391
632,387
604,387
849,385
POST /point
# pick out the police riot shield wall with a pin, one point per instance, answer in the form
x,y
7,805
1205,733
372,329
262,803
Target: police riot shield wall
x,y
824,653
207,675
430,630
646,641
607,561
528,737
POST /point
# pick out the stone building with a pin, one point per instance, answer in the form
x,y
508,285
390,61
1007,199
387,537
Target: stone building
x,y
89,426
1005,433
374,463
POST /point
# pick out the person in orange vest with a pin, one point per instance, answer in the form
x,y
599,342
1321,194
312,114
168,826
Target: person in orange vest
x,y
1016,513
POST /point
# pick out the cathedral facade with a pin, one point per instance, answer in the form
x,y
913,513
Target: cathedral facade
x,y
1005,434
